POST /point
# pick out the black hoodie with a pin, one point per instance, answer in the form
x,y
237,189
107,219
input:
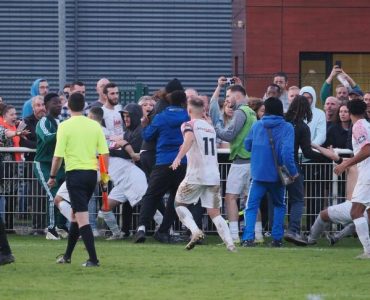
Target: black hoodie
x,y
132,133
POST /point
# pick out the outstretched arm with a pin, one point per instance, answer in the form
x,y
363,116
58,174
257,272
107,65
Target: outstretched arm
x,y
188,141
359,157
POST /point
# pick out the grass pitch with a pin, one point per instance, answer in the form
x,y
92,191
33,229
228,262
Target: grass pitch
x,y
156,271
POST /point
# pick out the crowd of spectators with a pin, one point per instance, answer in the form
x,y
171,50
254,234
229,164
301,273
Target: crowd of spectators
x,y
147,135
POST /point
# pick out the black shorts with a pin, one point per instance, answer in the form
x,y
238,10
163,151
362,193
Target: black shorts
x,y
81,185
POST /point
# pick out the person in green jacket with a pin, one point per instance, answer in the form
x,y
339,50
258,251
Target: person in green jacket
x,y
244,117
46,130
341,92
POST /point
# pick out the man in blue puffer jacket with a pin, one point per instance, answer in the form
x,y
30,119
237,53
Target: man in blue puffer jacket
x,y
265,177
166,130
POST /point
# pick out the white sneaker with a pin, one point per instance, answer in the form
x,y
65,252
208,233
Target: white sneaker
x,y
311,241
52,235
363,256
197,236
114,237
61,232
232,248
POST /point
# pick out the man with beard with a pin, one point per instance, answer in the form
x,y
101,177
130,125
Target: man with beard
x,y
30,141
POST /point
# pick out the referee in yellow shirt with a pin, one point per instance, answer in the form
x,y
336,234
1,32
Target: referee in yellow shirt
x,y
79,139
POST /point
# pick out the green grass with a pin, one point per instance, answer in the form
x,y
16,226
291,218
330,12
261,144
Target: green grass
x,y
156,271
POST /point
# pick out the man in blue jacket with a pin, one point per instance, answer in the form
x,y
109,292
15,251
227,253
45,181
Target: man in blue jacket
x,y
166,130
265,177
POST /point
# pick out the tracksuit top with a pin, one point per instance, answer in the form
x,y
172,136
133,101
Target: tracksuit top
x,y
46,131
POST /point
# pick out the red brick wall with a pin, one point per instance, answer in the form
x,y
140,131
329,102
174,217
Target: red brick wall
x,y
277,31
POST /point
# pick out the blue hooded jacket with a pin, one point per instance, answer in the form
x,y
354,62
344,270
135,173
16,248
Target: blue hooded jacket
x,y
166,129
262,161
27,106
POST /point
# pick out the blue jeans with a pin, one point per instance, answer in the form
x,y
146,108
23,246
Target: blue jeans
x,y
296,203
257,190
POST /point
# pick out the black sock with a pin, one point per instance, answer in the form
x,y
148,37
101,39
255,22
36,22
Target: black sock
x,y
4,245
74,234
88,238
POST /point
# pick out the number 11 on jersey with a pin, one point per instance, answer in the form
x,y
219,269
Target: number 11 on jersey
x,y
206,142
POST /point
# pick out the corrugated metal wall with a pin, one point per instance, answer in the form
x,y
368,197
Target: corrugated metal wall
x,y
28,47
126,41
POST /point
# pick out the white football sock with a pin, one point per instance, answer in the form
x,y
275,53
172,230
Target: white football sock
x,y
258,230
317,228
234,228
158,217
362,229
65,209
223,230
186,218
111,222
141,228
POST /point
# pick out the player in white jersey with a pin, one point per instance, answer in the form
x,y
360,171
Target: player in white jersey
x,y
337,214
361,193
112,118
202,179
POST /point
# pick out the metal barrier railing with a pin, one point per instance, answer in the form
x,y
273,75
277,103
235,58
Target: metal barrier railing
x,y
24,204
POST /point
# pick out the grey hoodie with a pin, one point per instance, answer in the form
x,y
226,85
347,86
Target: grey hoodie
x,y
318,124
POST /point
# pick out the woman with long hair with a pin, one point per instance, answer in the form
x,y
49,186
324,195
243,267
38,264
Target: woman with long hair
x,y
298,113
337,135
257,105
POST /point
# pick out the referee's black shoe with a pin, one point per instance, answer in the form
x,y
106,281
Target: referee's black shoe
x,y
90,263
139,237
6,259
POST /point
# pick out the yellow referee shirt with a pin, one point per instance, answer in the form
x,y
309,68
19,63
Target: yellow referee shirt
x,y
78,140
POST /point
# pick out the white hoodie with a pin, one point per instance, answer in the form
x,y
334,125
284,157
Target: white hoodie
x,y
318,124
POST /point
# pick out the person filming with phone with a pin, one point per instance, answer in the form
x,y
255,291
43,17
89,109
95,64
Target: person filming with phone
x,y
342,90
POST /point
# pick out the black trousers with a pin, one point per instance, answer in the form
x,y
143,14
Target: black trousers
x,y
147,163
162,179
4,245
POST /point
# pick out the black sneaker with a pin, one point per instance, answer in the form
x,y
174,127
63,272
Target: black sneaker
x,y
295,238
6,259
248,243
276,244
61,259
162,237
139,237
52,234
90,263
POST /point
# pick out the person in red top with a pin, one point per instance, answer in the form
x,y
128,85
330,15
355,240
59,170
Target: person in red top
x,y
9,122
9,137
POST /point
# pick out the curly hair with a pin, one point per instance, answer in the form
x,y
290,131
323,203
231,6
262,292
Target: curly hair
x,y
299,110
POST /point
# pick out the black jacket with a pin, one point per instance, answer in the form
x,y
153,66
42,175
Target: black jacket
x,y
337,137
30,140
302,139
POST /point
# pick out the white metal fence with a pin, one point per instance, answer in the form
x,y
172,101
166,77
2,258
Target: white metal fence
x,y
24,204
